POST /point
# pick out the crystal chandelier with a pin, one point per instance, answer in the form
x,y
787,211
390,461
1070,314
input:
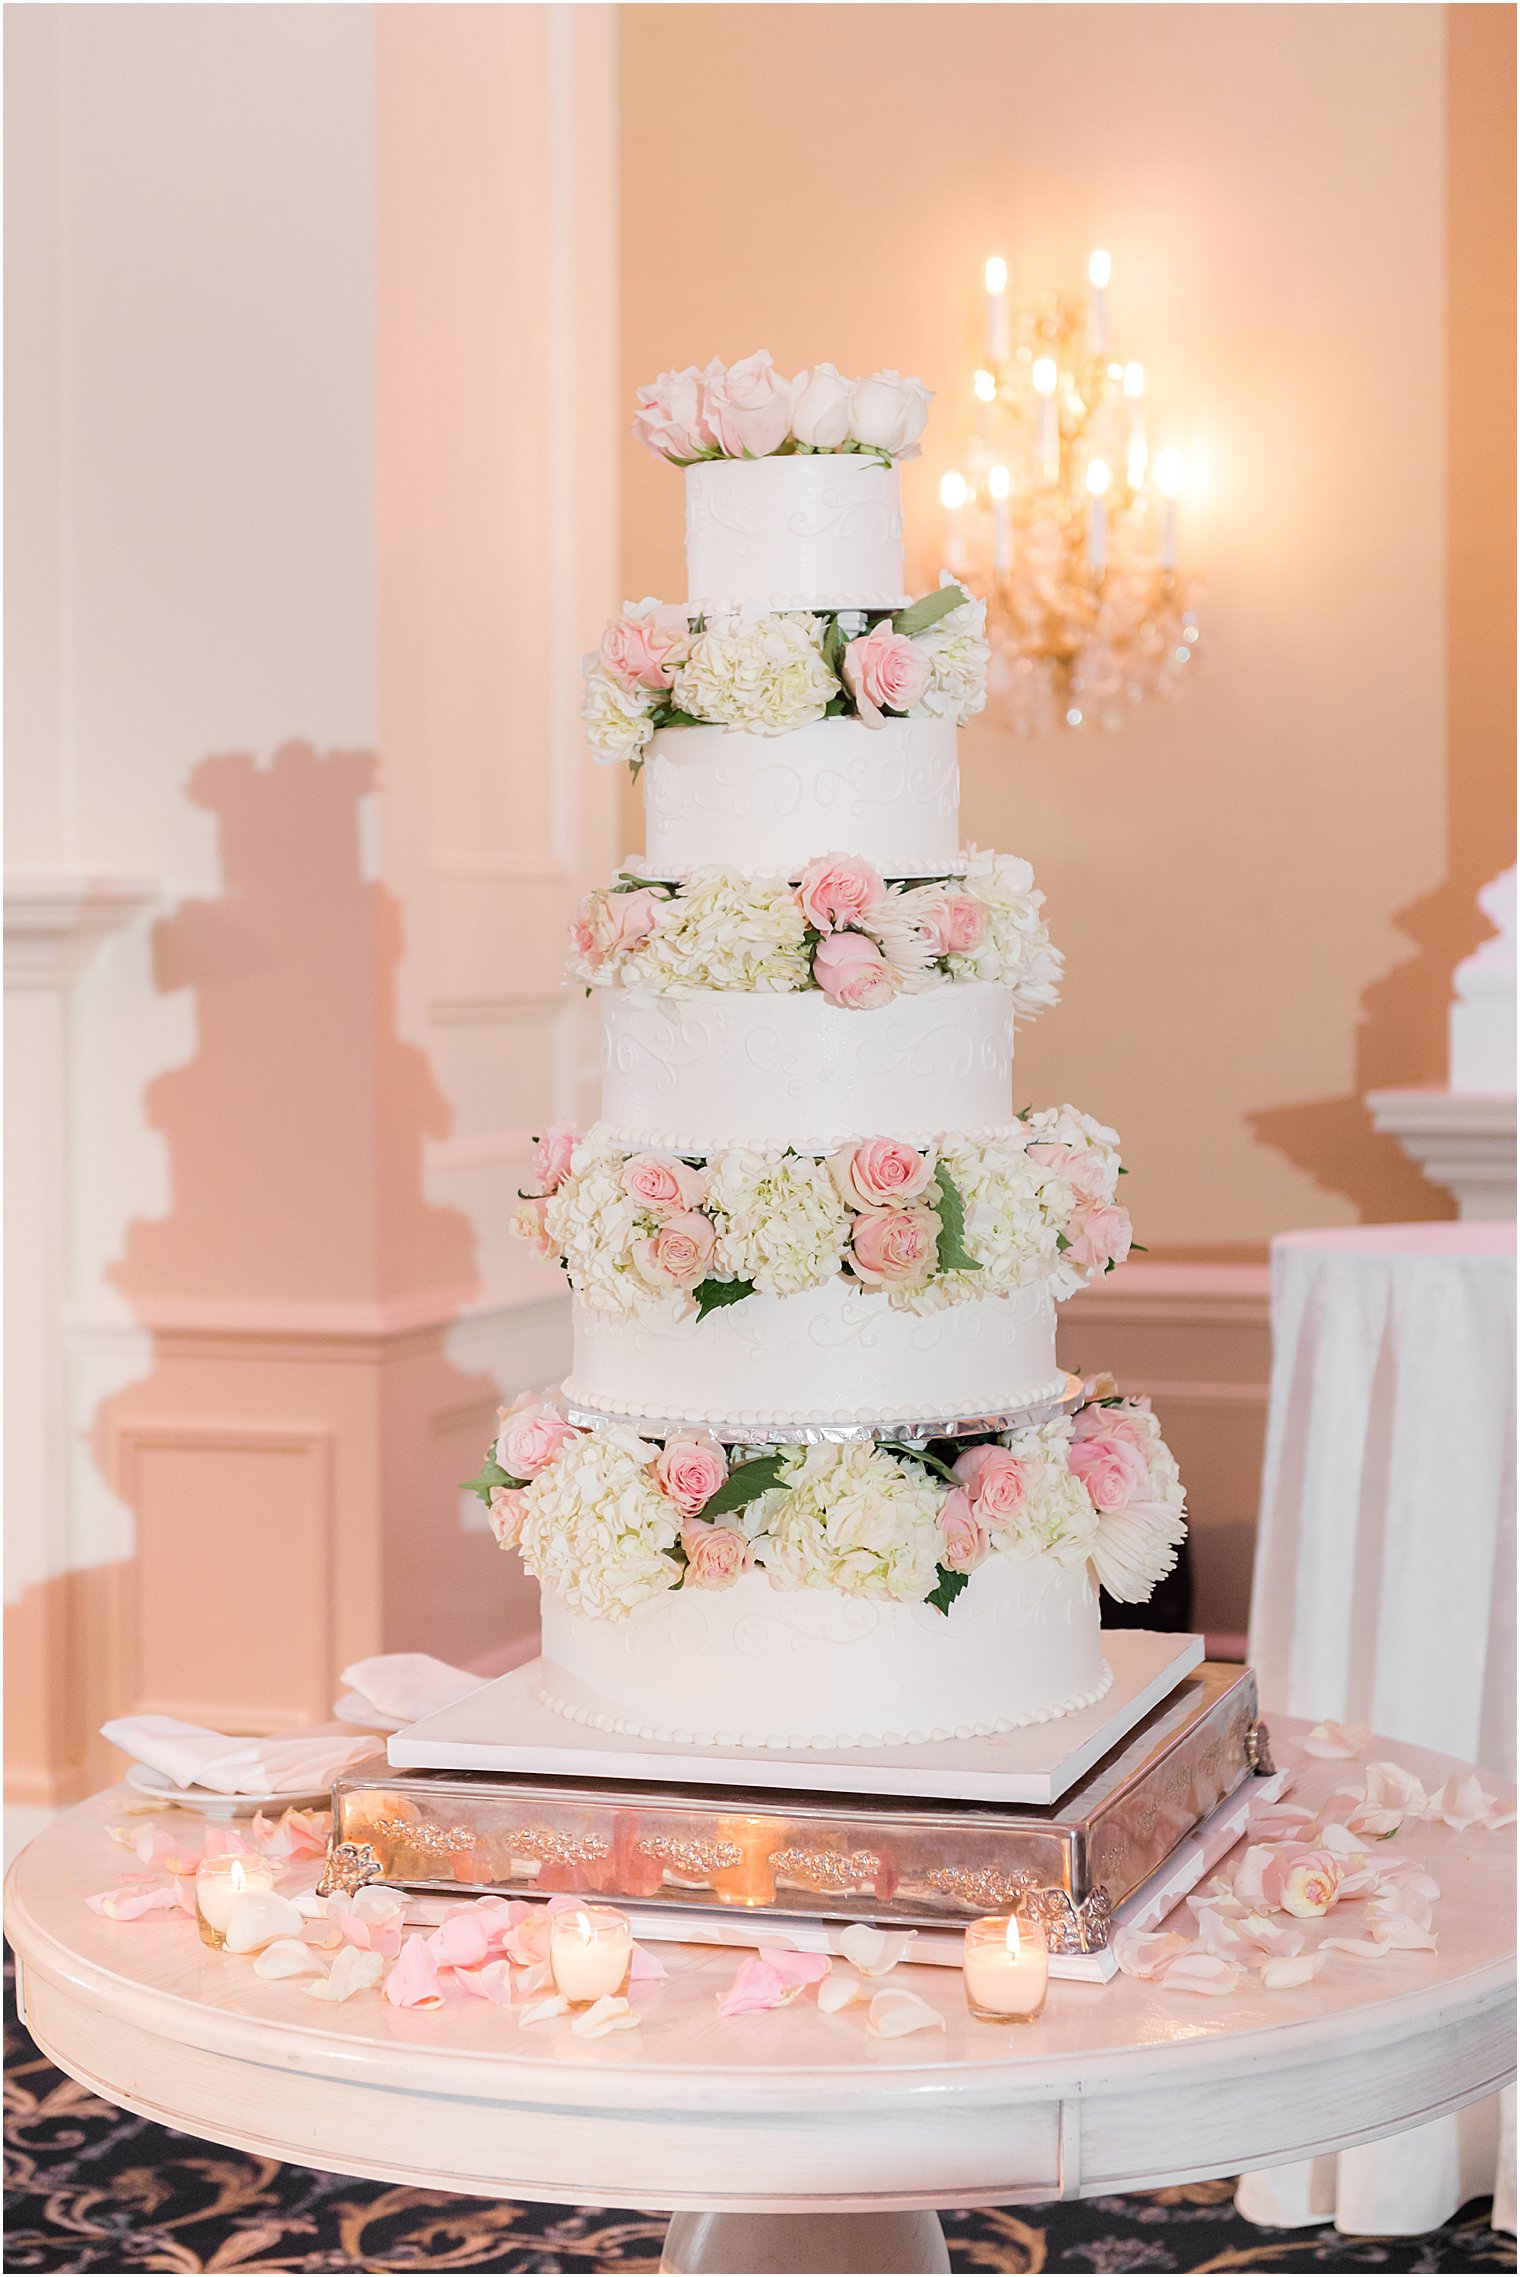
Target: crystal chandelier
x,y
1065,520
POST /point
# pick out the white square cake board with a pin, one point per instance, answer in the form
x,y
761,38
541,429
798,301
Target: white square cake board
x,y
504,1726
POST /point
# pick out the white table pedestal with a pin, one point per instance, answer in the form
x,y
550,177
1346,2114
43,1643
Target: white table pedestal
x,y
755,2245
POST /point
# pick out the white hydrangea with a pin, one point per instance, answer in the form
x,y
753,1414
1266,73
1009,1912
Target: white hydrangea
x,y
766,674
1068,1126
594,1225
780,1221
898,928
1057,1519
724,931
617,719
956,653
596,1528
1016,947
1013,1215
856,1520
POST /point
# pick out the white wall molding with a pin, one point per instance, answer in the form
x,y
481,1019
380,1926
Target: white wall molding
x,y
1462,1140
54,925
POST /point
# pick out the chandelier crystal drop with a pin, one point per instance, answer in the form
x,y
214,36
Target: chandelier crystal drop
x,y
1062,515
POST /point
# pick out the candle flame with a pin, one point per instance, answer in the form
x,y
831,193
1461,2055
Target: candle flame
x,y
998,481
952,490
1098,477
236,1875
996,274
1134,381
584,1928
1100,267
1044,375
984,387
1011,1937
1170,471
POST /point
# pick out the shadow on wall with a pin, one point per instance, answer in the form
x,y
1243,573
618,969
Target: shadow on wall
x,y
291,1459
1400,1039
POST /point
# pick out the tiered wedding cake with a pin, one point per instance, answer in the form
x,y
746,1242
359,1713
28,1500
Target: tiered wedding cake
x,y
815,1479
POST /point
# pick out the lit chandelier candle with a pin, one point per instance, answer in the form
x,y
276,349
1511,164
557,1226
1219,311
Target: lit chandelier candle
x,y
953,494
999,329
1047,441
590,1953
219,1883
999,487
1100,268
1169,475
1007,1968
1134,392
1098,480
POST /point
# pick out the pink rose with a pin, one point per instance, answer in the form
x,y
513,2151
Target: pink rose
x,y
967,925
878,1171
691,1469
1113,1472
887,413
531,1438
963,1538
609,922
551,1157
677,1254
852,972
884,671
1084,1170
996,1483
821,407
661,1183
715,1555
1098,1236
529,1224
670,420
894,1248
509,1507
1098,1422
645,645
1305,1883
748,407
840,889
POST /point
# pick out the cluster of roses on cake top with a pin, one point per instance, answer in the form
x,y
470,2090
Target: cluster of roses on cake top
x,y
608,1519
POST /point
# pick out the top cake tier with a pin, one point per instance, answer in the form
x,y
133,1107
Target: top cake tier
x,y
819,531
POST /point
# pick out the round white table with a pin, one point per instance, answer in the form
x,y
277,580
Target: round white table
x,y
841,2145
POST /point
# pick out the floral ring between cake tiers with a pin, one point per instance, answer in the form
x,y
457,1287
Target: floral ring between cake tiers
x,y
626,1727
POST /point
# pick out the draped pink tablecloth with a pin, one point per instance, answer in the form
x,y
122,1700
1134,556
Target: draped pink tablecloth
x,y
1384,1590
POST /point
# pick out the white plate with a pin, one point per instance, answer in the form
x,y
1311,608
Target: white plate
x,y
210,1804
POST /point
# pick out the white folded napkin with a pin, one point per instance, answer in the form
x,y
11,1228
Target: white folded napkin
x,y
192,1756
409,1684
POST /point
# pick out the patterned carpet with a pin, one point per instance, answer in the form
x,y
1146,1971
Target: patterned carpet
x,y
91,2188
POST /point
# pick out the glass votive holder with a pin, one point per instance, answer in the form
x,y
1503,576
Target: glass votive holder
x,y
1006,1968
590,1953
219,1883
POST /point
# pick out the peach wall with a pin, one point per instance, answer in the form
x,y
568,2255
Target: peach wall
x,y
1250,887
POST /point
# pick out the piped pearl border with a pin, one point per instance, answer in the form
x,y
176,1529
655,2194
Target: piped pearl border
x,y
636,1140
739,1424
681,1736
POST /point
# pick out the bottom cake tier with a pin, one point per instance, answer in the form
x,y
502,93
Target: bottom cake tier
x,y
756,1666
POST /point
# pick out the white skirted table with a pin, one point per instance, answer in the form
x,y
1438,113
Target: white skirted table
x,y
787,2139
1384,1590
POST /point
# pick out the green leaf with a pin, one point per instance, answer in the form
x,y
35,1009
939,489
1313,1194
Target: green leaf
x,y
949,1587
628,883
834,648
919,615
491,1476
744,1485
921,1455
635,769
954,1256
836,707
668,715
712,1296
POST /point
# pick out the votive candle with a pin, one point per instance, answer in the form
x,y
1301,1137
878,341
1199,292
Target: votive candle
x,y
1007,1968
219,1883
999,333
590,1953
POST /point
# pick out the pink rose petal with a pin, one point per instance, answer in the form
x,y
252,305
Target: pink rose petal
x,y
353,1971
645,1968
540,2011
1282,1972
493,1982
459,1942
1146,1952
1202,1973
1337,1743
759,1984
413,1982
130,1903
893,2013
609,2014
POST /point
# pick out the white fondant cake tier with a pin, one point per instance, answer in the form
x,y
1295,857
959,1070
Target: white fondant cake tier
x,y
767,804
754,1666
817,532
695,1073
838,1354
